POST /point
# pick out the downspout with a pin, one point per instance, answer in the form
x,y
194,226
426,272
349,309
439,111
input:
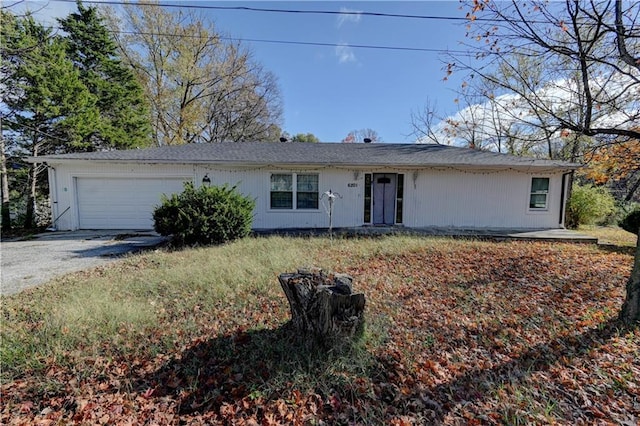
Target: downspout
x,y
563,201
53,196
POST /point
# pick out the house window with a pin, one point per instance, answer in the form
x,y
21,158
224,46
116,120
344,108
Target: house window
x,y
281,191
307,192
539,196
284,197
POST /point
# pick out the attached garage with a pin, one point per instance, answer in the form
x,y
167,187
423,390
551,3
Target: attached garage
x,y
121,203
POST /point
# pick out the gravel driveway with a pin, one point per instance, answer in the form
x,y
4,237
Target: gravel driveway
x,y
32,262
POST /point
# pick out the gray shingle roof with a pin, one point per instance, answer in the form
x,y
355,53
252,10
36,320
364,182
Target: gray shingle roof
x,y
296,153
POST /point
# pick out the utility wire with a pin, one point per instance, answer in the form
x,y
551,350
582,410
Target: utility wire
x,y
306,43
292,42
288,42
295,11
359,46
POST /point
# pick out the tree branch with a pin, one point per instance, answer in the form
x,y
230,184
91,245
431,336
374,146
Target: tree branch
x,y
621,39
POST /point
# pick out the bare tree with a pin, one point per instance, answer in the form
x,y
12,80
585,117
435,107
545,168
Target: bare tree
x,y
424,122
491,118
356,136
201,87
582,84
470,125
486,119
589,79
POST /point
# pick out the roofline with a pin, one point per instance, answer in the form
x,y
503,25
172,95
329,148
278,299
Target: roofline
x,y
560,166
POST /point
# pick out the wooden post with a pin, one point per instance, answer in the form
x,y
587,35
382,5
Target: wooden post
x,y
323,306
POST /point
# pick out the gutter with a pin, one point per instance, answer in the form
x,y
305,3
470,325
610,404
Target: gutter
x,y
525,167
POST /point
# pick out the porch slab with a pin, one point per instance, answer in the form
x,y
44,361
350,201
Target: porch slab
x,y
557,235
566,235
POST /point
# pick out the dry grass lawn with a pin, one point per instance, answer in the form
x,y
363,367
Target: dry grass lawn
x,y
458,332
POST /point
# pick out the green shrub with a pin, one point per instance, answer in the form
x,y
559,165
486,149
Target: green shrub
x,y
207,215
623,208
589,205
631,223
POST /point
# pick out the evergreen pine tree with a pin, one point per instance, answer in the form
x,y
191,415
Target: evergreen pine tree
x,y
123,111
49,109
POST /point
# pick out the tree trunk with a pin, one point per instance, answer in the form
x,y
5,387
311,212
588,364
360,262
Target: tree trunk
x,y
632,190
4,188
324,310
30,215
630,313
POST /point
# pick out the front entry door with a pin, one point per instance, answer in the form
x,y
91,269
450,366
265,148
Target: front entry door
x,y
384,198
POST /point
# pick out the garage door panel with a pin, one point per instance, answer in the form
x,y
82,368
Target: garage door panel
x,y
121,203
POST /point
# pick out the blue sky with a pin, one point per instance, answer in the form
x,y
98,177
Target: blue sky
x,y
328,90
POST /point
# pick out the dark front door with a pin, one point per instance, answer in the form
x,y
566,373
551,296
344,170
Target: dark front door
x,y
384,198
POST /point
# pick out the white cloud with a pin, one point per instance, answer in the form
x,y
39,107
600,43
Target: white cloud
x,y
615,100
348,15
345,54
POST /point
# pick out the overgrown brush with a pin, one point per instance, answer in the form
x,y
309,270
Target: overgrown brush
x,y
456,332
589,205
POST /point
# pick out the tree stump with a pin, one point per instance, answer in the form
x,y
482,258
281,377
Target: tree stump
x,y
323,306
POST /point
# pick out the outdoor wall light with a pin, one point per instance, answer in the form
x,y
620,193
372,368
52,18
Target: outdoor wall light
x,y
206,180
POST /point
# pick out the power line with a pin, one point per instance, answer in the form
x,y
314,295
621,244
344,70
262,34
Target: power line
x,y
359,46
286,42
293,11
306,43
293,42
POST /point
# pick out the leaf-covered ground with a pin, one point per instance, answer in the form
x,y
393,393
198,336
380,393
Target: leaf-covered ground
x,y
458,332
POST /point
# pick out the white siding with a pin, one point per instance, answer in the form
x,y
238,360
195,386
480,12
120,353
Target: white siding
x,y
478,200
256,183
442,198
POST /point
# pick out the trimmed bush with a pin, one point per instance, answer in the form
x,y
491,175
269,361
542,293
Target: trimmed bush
x,y
631,223
205,216
589,205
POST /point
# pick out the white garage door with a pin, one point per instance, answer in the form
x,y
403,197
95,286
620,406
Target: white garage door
x,y
118,203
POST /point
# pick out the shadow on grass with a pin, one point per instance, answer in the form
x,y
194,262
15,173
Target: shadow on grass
x,y
262,365
124,246
252,365
480,382
619,249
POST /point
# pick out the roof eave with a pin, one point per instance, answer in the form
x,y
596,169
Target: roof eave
x,y
54,160
360,165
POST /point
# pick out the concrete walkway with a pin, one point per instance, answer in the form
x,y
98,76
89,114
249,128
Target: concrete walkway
x,y
565,235
558,235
